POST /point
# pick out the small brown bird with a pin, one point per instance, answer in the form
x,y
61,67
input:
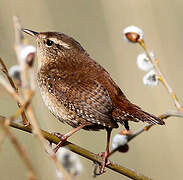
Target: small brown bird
x,y
79,91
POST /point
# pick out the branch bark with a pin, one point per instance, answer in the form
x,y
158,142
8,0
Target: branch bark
x,y
20,150
146,127
83,152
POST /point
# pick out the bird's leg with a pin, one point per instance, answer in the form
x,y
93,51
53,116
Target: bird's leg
x,y
63,138
106,153
127,129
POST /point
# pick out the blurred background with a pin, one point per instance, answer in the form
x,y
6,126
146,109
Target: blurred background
x,y
98,26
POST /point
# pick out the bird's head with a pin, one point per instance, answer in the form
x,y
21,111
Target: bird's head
x,y
55,46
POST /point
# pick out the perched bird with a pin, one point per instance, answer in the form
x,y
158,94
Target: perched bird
x,y
79,91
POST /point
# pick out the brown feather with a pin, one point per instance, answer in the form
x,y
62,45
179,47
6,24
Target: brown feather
x,y
83,87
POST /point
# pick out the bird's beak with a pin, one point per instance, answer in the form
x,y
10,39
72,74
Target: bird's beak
x,y
30,32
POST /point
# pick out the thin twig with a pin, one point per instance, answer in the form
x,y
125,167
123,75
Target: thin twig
x,y
20,150
13,90
23,107
9,89
147,127
5,70
27,91
83,152
2,138
38,133
17,98
161,76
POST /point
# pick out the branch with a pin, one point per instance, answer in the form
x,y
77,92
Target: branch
x,y
83,152
5,71
20,150
161,76
146,127
163,116
28,89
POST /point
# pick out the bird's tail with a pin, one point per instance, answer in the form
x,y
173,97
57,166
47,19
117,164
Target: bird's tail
x,y
125,110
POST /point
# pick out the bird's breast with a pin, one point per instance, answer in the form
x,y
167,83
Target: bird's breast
x,y
58,109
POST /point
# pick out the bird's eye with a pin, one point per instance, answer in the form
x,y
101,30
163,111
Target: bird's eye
x,y
49,42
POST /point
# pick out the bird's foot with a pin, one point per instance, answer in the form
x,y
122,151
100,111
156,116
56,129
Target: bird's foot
x,y
63,138
59,135
62,141
105,162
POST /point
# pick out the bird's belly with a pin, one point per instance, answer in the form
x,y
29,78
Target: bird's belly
x,y
58,109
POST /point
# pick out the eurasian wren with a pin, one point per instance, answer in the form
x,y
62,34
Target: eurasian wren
x,y
79,91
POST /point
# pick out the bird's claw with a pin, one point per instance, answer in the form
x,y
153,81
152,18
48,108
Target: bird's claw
x,y
59,135
96,172
105,162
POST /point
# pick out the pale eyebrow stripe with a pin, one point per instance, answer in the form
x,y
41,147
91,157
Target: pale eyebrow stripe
x,y
60,42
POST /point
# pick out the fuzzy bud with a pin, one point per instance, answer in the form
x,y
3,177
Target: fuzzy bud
x,y
27,54
143,61
151,79
133,34
119,140
69,161
15,73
